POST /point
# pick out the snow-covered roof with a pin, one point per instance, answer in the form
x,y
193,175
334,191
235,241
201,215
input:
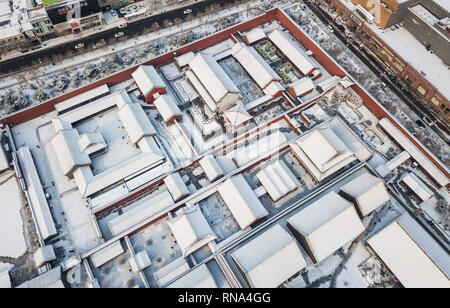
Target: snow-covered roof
x,y
191,230
237,115
292,51
417,186
50,279
212,76
176,186
445,4
60,124
202,91
329,83
255,65
198,278
106,254
397,160
241,201
327,224
136,122
91,142
415,153
322,152
167,107
415,54
148,79
171,271
211,167
277,179
43,255
346,82
269,259
68,151
302,86
4,162
82,98
89,184
140,261
136,215
184,59
274,88
115,99
254,35
414,257
368,191
39,206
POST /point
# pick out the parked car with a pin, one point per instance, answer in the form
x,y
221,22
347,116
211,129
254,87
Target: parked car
x,y
428,121
123,25
79,45
330,28
119,34
114,13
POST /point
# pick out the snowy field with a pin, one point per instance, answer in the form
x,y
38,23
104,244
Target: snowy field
x,y
11,232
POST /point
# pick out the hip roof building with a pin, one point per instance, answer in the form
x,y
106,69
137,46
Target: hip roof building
x,y
210,79
198,278
414,257
167,107
322,153
269,259
242,201
326,225
191,230
367,192
293,52
149,82
255,65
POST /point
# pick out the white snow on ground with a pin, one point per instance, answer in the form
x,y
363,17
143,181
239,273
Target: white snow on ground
x,y
12,241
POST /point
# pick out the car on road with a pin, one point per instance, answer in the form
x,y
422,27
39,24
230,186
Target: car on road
x,y
123,25
330,28
188,11
428,121
79,45
119,34
384,85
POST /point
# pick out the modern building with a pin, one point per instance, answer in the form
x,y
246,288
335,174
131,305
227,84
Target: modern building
x,y
199,278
